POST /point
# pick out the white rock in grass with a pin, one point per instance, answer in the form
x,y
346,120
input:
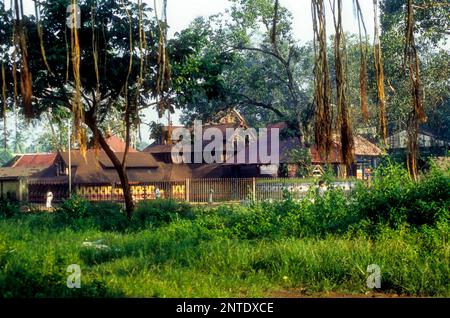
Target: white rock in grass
x,y
96,245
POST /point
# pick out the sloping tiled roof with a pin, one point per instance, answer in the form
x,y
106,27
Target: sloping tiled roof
x,y
363,147
97,168
17,172
117,144
155,148
33,160
93,157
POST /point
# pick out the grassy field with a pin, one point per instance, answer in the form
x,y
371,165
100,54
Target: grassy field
x,y
301,248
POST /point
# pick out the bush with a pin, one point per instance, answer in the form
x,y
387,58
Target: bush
x,y
74,208
9,208
159,212
77,213
330,214
108,216
393,199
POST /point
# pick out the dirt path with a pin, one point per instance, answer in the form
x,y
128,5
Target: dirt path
x,y
301,293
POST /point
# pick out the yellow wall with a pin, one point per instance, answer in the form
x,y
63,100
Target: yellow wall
x,y
137,191
17,188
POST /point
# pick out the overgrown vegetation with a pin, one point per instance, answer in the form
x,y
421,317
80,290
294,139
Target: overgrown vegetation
x,y
169,249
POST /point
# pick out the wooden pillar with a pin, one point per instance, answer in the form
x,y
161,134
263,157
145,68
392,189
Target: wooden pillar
x,y
254,189
187,190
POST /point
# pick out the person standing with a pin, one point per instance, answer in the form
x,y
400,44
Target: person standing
x,y
321,189
211,193
48,199
157,193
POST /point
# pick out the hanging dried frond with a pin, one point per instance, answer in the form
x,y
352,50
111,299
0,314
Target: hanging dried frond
x,y
14,73
95,54
363,62
37,10
5,132
340,60
412,66
163,65
67,55
26,87
143,54
322,82
96,97
77,106
20,40
128,110
379,73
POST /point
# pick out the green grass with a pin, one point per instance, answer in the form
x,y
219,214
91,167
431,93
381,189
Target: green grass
x,y
317,245
181,260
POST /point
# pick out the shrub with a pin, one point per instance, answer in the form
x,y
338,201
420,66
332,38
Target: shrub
x,y
159,212
74,208
9,208
394,199
108,216
77,213
330,213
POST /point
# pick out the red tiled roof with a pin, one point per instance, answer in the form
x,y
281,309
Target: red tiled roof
x,y
34,160
155,148
117,144
363,147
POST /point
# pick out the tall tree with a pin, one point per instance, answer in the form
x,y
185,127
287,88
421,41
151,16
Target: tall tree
x,y
340,61
417,68
322,87
250,62
92,69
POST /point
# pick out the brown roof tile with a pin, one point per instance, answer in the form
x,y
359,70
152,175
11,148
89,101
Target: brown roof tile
x,y
34,160
117,144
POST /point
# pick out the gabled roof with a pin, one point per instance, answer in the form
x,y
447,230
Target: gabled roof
x,y
156,148
42,160
363,147
117,144
97,168
14,173
97,157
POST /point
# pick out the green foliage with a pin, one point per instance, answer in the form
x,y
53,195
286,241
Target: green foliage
x,y
5,156
318,244
302,158
77,213
72,209
108,216
9,208
394,199
158,212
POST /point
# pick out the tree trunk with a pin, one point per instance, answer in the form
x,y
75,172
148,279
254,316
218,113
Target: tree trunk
x,y
129,205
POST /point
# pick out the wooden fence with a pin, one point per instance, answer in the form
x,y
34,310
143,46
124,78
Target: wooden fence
x,y
189,190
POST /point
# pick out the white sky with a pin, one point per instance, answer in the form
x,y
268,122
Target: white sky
x,y
180,13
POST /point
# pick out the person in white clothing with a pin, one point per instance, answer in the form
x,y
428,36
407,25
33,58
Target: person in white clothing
x,y
49,198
